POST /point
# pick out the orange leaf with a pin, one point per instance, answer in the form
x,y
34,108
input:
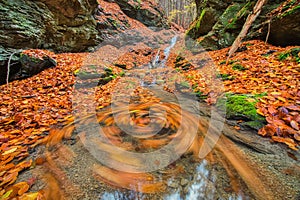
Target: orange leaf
x,y
21,187
272,110
288,141
141,182
10,178
260,112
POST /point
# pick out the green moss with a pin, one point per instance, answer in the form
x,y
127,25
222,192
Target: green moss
x,y
184,84
225,77
291,11
248,45
242,106
178,69
195,27
114,23
122,73
29,58
92,66
104,77
179,58
108,70
222,62
292,53
200,19
234,13
238,67
190,77
254,124
233,61
290,8
84,75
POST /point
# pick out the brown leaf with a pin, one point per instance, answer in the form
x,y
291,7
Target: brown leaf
x,y
295,125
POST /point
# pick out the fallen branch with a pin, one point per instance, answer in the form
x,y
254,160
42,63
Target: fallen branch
x,y
250,19
8,64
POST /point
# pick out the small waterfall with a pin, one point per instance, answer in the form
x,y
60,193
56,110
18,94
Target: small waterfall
x,y
157,63
168,49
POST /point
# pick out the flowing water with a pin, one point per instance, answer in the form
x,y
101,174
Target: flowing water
x,y
153,144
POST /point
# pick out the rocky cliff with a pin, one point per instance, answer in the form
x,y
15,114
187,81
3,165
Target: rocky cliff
x,y
116,16
220,21
60,25
67,25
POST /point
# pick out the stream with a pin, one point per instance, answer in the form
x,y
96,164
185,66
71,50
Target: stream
x,y
155,144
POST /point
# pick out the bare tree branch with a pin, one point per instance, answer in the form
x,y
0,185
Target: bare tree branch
x,y
8,65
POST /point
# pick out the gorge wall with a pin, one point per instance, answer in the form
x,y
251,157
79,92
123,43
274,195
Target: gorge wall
x,y
220,21
67,25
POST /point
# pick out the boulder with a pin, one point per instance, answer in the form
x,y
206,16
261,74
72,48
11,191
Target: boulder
x,y
59,25
31,65
147,12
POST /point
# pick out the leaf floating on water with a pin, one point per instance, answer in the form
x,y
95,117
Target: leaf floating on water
x,y
154,144
140,182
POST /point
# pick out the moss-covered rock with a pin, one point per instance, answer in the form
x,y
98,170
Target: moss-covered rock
x,y
242,107
219,22
226,26
58,25
31,65
147,12
96,74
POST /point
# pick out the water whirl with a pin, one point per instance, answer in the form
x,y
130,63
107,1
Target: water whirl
x,y
152,141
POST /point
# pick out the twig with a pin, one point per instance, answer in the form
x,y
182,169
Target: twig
x,y
269,29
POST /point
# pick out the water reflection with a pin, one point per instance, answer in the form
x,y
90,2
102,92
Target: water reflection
x,y
202,187
116,195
